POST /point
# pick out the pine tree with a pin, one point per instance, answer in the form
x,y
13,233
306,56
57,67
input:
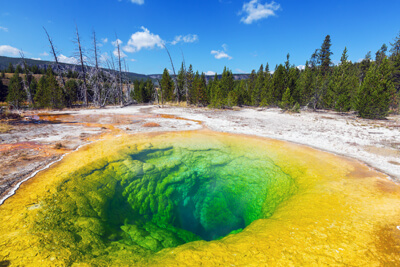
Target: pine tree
x,y
324,56
305,85
189,80
181,83
196,89
395,68
395,50
278,84
49,93
364,66
19,69
287,100
16,94
10,68
381,54
374,94
167,86
226,85
3,92
42,96
256,95
57,99
202,94
266,96
344,82
71,92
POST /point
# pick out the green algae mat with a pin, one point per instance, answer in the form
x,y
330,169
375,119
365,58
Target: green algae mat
x,y
201,198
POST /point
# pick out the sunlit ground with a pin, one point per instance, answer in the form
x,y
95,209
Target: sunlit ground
x,y
192,198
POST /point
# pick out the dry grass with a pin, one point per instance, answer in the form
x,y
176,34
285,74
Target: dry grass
x,y
151,124
5,128
181,104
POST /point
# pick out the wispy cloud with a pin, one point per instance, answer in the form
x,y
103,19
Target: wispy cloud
x,y
240,71
122,54
190,38
104,40
254,11
6,50
36,58
219,54
116,42
44,54
139,2
4,29
143,40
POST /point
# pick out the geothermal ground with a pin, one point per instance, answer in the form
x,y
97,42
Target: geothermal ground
x,y
44,137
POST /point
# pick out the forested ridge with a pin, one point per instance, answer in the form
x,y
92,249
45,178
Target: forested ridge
x,y
370,87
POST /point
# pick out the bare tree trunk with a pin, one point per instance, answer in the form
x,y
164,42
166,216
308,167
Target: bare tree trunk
x,y
27,83
185,81
176,88
121,101
54,53
81,61
96,74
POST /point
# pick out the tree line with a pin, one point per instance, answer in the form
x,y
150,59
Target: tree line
x,y
89,81
370,87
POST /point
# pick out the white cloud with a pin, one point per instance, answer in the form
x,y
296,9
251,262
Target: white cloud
x,y
36,58
44,54
254,11
117,42
209,73
69,60
190,38
133,60
139,2
218,54
4,29
6,50
104,40
143,39
301,67
240,71
122,54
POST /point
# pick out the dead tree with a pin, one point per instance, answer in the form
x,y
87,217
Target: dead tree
x,y
176,87
120,73
28,79
81,61
54,52
95,74
185,79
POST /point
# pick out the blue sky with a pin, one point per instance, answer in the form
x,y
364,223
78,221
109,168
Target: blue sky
x,y
239,34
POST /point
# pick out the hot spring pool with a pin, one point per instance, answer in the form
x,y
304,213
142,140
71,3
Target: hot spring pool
x,y
202,198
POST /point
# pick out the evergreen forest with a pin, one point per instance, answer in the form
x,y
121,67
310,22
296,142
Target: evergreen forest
x,y
370,87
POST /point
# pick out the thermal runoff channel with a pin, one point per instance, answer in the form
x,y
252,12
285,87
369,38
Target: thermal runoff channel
x,y
165,198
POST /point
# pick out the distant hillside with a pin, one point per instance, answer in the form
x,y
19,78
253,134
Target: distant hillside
x,y
208,77
5,61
